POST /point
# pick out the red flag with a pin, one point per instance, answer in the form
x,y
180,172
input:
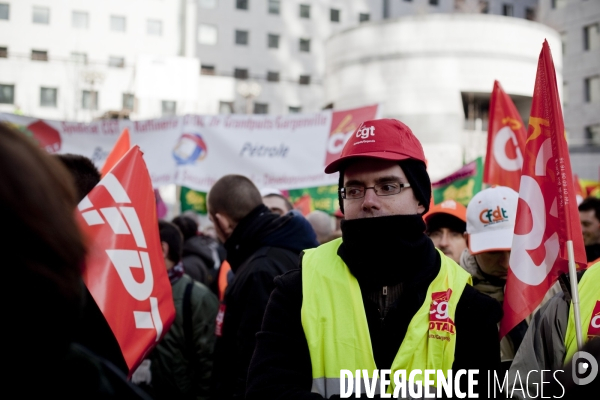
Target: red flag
x,y
304,204
120,148
547,215
125,270
506,141
578,189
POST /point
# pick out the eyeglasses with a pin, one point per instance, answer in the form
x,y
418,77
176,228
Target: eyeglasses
x,y
381,189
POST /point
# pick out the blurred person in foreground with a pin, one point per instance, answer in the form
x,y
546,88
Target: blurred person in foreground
x,y
260,245
383,281
43,253
181,363
446,226
491,217
94,331
322,225
589,216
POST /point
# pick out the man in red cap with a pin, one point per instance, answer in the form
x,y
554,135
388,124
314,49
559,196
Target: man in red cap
x,y
446,226
381,297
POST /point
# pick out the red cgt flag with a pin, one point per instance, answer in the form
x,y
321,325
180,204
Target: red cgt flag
x,y
547,215
125,269
506,141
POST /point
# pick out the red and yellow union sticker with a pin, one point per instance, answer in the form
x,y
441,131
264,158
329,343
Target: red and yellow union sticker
x,y
439,315
594,328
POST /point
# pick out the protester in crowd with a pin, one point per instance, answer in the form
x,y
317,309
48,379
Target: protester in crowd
x,y
202,255
550,341
276,201
94,332
589,215
351,304
322,224
181,363
260,245
43,252
491,217
446,226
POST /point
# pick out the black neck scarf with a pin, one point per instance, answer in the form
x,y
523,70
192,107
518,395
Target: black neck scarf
x,y
385,251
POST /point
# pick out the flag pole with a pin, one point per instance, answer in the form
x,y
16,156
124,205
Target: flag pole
x,y
574,293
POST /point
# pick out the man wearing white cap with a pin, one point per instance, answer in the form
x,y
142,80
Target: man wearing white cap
x,y
490,225
381,296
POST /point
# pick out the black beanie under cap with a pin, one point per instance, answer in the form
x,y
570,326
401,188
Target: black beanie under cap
x,y
417,176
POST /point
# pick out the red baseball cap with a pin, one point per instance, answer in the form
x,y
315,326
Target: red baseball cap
x,y
388,139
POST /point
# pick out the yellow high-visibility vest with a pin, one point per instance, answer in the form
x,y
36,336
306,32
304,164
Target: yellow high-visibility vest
x,y
336,329
589,300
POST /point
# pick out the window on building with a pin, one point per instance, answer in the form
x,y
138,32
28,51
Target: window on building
x,y
240,73
305,45
4,11
273,41
274,7
225,107
272,76
530,14
39,55
207,69
207,34
3,52
484,6
48,97
592,135
363,17
434,2
7,94
41,15
80,19
261,108
304,80
563,42
118,23
128,101
154,27
89,99
79,58
241,4
207,3
169,108
116,62
334,15
565,94
507,9
558,3
304,11
591,37
294,110
592,89
241,37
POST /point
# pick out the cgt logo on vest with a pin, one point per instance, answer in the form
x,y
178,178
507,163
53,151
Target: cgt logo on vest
x,y
439,315
489,216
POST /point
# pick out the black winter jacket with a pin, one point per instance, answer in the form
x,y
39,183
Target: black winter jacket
x,y
281,366
262,246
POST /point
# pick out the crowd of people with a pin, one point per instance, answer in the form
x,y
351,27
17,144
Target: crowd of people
x,y
279,303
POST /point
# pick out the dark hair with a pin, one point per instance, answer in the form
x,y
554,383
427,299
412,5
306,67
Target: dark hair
x,y
234,196
171,235
288,205
591,203
43,250
84,172
187,226
442,220
417,176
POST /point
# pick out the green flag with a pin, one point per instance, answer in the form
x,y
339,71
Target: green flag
x,y
461,185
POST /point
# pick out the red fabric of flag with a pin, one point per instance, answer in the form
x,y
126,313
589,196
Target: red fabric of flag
x,y
506,141
125,270
121,147
547,215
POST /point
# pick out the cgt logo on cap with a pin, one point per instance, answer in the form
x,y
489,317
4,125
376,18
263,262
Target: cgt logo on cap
x,y
365,132
489,216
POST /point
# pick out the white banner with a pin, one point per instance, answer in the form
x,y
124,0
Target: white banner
x,y
277,151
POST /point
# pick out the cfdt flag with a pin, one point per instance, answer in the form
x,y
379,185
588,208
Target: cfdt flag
x,y
506,141
125,270
547,215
